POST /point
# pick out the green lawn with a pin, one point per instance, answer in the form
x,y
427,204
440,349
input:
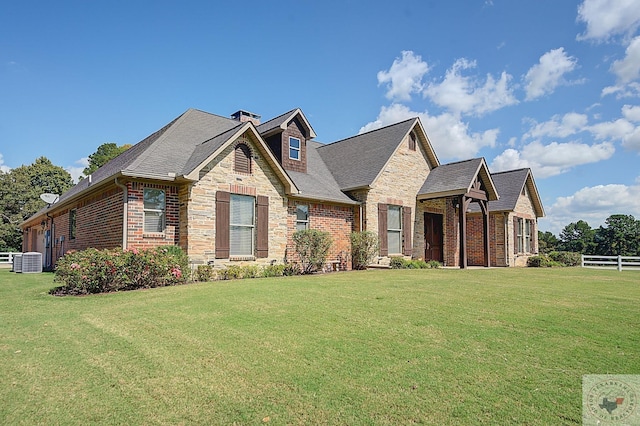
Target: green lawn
x,y
481,346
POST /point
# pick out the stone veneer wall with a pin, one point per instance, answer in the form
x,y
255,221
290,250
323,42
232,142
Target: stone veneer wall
x,y
524,209
197,204
398,184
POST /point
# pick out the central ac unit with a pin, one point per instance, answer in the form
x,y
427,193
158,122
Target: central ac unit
x,y
31,262
17,262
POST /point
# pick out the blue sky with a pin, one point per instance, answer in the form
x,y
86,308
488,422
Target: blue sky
x,y
551,85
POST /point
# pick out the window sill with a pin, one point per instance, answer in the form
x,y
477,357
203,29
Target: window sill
x,y
242,258
154,235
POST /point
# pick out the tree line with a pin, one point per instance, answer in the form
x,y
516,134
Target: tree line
x,y
620,236
20,190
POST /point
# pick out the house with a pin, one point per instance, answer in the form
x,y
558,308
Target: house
x,y
233,189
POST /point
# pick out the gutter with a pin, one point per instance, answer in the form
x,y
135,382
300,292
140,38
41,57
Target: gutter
x,y
125,212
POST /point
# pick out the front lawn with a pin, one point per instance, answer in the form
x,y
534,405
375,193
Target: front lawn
x,y
492,346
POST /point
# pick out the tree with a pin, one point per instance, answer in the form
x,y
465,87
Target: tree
x,y
621,236
104,153
578,237
20,191
547,242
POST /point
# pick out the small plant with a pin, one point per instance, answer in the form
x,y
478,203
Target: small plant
x,y
364,247
291,269
273,271
205,273
566,258
251,271
434,264
398,262
312,247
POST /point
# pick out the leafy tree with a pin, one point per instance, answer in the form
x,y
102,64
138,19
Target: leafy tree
x,y
621,236
578,237
104,153
547,242
20,191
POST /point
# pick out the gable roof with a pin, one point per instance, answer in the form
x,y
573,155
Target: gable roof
x,y
318,183
510,184
457,179
280,123
356,162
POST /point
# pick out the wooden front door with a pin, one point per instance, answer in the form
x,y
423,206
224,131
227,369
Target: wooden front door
x,y
433,237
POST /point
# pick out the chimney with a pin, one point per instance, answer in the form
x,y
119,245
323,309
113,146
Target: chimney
x,y
244,116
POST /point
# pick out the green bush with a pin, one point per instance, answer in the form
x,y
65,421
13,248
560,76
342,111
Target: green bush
x,y
398,262
566,258
364,247
291,269
103,271
434,264
205,273
312,247
273,271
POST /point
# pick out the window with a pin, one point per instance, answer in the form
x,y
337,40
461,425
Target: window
x,y
394,229
524,234
154,206
242,160
72,224
302,217
294,148
241,225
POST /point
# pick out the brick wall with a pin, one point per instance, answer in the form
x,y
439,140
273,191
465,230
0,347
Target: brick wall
x,y
336,219
136,237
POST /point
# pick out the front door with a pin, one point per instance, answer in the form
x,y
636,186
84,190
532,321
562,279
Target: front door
x,y
433,237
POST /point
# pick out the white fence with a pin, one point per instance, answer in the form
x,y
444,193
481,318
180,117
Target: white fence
x,y
610,262
6,258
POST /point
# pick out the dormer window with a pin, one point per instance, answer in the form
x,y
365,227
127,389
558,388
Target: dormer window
x,y
294,148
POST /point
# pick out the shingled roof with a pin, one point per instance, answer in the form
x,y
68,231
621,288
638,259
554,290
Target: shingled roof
x,y
318,183
357,161
456,179
509,185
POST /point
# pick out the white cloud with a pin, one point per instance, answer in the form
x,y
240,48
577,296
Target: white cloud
x,y
593,205
613,130
607,18
628,69
548,73
467,95
631,112
552,159
3,167
404,77
631,90
449,135
559,126
76,171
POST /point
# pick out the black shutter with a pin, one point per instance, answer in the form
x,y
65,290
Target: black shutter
x,y
222,224
262,225
406,231
382,229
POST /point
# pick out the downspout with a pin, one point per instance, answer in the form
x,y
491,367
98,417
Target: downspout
x,y
49,260
507,255
361,220
125,212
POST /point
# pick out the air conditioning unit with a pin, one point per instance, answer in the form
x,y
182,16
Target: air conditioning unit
x,y
31,262
17,262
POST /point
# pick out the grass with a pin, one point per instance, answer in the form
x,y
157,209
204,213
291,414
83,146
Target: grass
x,y
496,346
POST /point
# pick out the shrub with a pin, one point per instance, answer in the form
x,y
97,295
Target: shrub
x,y
434,264
231,272
398,262
102,271
251,271
205,273
364,247
539,261
312,247
291,269
566,258
273,271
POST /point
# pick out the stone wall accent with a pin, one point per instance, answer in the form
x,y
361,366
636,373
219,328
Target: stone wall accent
x,y
398,184
198,204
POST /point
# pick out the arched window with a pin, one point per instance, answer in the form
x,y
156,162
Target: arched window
x,y
242,162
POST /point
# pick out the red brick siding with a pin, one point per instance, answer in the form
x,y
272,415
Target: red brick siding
x,y
137,238
335,219
451,234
